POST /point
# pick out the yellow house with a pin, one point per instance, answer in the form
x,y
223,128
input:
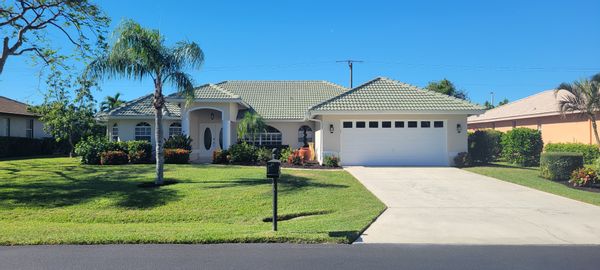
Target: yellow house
x,y
541,112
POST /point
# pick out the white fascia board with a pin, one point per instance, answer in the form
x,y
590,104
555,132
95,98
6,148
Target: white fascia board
x,y
141,117
211,100
509,118
412,112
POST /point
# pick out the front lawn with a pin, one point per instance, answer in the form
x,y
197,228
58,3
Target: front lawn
x,y
529,177
58,201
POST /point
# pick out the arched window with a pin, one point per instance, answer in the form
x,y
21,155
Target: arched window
x,y
115,133
175,129
271,136
143,132
309,134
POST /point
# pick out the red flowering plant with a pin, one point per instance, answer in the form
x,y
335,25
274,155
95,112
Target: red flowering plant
x,y
584,177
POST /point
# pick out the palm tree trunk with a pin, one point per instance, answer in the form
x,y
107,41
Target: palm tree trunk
x,y
158,132
595,128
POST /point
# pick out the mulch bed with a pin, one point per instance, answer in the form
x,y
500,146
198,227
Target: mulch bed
x,y
593,188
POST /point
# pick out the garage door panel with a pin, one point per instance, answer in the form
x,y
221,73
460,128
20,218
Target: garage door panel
x,y
394,146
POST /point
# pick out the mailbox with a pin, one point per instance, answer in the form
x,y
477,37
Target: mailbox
x,y
273,168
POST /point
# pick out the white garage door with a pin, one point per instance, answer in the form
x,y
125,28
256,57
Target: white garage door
x,y
394,143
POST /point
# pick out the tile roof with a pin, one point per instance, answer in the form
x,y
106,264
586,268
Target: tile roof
x,y
11,106
142,107
383,94
208,91
543,103
285,100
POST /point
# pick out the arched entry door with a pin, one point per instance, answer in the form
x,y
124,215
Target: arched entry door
x,y
209,139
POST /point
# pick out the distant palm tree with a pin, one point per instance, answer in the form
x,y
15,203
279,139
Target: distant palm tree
x,y
583,98
110,103
139,53
250,125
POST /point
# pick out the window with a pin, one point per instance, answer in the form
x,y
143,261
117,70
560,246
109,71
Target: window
x,y
373,124
347,124
514,123
412,124
309,134
175,129
399,124
29,129
5,127
143,132
425,124
360,124
386,124
115,133
271,136
438,124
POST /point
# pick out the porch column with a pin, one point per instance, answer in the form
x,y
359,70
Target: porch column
x,y
185,122
226,124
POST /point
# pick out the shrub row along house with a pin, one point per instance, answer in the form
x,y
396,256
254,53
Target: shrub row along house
x,y
382,122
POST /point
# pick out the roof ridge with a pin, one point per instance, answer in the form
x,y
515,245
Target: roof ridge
x,y
435,93
14,100
128,103
218,87
350,91
520,100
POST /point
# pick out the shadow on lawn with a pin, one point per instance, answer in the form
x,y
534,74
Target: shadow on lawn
x,y
71,185
286,183
508,166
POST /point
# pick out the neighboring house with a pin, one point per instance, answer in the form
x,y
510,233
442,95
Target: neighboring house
x,y
16,121
541,112
382,122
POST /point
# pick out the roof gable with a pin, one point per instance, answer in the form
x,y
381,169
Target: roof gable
x,y
12,106
142,107
383,94
207,91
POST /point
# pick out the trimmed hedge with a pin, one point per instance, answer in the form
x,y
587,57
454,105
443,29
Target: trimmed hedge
x,y
559,165
590,152
484,146
91,148
522,146
243,153
25,147
113,158
177,156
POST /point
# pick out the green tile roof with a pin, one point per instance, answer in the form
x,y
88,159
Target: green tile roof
x,y
382,94
207,91
285,100
142,107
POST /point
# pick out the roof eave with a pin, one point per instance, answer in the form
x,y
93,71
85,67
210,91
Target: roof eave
x,y
312,114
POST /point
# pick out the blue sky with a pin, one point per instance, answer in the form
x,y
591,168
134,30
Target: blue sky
x,y
514,48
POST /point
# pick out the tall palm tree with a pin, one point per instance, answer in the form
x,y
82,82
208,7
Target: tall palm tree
x,y
110,103
139,53
583,98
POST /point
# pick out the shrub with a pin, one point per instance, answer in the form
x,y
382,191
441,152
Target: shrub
x,y
177,156
484,145
462,159
22,147
522,146
559,165
584,177
296,158
139,152
178,142
331,161
285,154
590,152
117,146
220,157
243,153
264,154
90,148
113,158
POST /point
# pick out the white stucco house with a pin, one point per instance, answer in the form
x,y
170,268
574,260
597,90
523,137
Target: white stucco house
x,y
382,122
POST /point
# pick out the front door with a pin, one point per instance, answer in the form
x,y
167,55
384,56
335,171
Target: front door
x,y
208,139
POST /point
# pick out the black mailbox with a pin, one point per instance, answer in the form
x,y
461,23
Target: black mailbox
x,y
273,168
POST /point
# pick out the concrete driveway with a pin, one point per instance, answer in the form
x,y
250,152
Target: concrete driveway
x,y
452,206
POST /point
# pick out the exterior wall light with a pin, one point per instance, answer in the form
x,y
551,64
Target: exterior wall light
x,y
458,128
212,116
331,130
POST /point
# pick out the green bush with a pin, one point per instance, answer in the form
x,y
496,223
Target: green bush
x,y
243,153
139,152
462,159
590,152
113,158
331,161
264,154
90,148
178,142
177,156
221,157
522,146
23,147
285,154
559,165
484,145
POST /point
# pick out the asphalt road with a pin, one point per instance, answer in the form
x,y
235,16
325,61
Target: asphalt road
x,y
289,256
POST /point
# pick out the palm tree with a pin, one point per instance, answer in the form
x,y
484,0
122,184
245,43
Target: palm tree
x,y
139,53
583,98
110,103
250,125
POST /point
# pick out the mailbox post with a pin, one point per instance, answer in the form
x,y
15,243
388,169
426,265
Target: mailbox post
x,y
273,172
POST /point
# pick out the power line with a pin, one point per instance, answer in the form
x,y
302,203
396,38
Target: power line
x,y
350,62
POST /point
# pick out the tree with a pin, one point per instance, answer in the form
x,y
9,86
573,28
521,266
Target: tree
x,y
139,53
582,98
503,102
446,87
65,118
488,105
250,125
110,103
26,27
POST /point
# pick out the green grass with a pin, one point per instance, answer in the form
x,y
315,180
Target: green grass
x,y
529,177
58,201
